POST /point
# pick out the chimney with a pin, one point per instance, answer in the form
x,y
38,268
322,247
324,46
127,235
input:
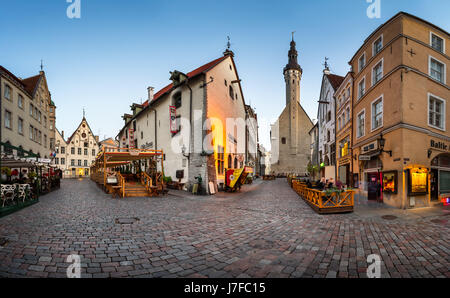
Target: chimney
x,y
150,93
96,139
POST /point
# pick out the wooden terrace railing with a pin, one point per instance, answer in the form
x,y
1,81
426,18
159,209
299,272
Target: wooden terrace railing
x,y
321,202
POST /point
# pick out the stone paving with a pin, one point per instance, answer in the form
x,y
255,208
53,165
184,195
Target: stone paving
x,y
265,231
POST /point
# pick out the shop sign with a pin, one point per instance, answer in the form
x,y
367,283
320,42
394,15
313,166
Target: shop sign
x,y
173,119
439,145
364,157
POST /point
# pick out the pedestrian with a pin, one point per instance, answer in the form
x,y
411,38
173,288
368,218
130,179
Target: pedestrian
x,y
339,184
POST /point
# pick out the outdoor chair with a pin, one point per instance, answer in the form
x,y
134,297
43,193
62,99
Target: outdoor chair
x,y
7,193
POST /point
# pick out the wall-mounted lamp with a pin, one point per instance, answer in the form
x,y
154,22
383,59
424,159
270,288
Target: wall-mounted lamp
x,y
183,151
429,153
382,142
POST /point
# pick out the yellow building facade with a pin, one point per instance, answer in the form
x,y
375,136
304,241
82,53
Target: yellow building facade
x,y
401,130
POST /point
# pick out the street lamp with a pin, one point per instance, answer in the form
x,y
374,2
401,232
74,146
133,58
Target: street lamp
x,y
382,142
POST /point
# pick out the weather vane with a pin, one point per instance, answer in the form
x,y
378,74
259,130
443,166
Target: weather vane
x,y
293,32
326,62
228,43
42,65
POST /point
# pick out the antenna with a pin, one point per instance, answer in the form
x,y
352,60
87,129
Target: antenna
x,y
42,65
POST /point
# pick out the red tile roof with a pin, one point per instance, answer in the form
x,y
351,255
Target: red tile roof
x,y
190,75
335,80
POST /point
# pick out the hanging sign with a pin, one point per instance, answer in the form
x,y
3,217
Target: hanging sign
x,y
173,119
131,138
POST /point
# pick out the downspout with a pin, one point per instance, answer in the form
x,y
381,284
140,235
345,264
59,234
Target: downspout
x,y
335,139
156,130
190,121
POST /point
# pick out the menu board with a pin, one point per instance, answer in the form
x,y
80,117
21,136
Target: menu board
x,y
390,182
418,182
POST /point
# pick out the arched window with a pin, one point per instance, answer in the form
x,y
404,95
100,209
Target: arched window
x,y
230,160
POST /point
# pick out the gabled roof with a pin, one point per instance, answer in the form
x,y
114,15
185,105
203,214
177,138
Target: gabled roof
x,y
335,80
31,84
190,75
78,127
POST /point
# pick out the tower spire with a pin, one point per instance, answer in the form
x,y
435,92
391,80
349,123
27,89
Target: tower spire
x,y
293,54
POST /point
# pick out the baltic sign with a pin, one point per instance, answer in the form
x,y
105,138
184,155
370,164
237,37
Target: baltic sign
x,y
440,146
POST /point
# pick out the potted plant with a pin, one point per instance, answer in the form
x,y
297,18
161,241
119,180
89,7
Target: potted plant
x,y
6,172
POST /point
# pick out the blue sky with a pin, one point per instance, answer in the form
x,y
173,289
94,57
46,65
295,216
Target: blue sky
x,y
105,60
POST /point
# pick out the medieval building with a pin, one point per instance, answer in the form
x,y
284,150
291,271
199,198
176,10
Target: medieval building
x,y
290,138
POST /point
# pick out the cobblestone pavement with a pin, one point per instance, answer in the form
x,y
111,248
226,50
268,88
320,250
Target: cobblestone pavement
x,y
265,231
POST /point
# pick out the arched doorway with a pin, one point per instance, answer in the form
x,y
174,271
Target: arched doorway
x,y
440,176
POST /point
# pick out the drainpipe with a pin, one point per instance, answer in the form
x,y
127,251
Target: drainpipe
x,y
190,120
335,145
156,129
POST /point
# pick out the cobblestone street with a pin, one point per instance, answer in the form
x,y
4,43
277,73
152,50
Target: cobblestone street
x,y
265,231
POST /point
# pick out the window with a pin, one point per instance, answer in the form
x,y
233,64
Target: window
x,y
377,113
220,160
85,151
72,150
93,152
177,101
436,112
85,163
31,110
72,162
86,144
20,101
63,161
347,112
31,132
283,141
360,128
51,124
20,126
79,151
377,73
329,116
7,93
39,116
362,62
45,121
226,83
45,141
361,88
79,162
437,43
35,114
56,161
437,70
377,45
8,119
231,92
328,136
63,150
